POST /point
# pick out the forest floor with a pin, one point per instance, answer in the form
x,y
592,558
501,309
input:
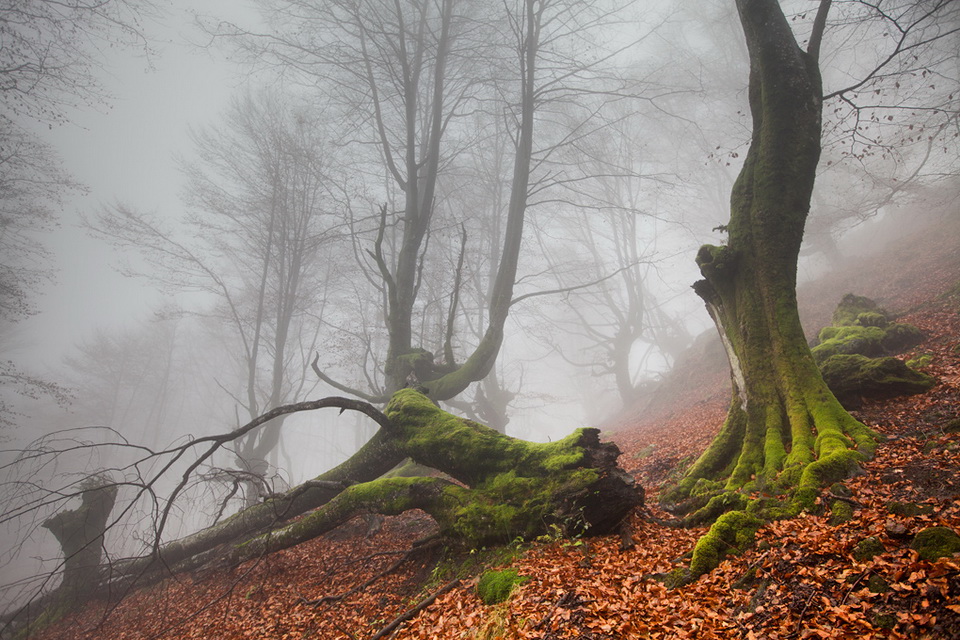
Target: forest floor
x,y
802,578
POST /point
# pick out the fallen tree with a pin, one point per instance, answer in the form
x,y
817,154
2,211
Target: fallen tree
x,y
491,488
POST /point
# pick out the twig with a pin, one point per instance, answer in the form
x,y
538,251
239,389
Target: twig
x,y
346,594
420,606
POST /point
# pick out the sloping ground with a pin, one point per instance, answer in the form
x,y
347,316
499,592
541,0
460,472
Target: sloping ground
x,y
801,579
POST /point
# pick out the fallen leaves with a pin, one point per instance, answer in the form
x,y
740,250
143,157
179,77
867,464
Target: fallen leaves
x,y
800,579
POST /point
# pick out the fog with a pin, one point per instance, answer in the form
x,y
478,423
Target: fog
x,y
147,324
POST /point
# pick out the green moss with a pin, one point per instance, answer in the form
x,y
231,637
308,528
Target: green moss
x,y
850,308
838,465
840,512
876,584
866,341
860,327
936,542
716,506
872,319
910,509
731,533
773,509
704,487
920,362
867,548
851,376
496,586
422,424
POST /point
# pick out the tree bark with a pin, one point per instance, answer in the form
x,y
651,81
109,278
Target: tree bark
x,y
785,432
501,489
80,534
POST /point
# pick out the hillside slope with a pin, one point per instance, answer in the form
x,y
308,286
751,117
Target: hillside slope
x,y
803,578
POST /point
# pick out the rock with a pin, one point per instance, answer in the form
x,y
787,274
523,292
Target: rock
x,y
936,542
896,530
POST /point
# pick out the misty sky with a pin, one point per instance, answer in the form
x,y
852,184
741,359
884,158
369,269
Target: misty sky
x,y
127,152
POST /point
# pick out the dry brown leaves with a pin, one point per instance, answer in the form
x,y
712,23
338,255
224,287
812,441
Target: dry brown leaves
x,y
800,579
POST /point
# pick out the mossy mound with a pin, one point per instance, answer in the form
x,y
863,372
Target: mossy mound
x,y
852,306
853,376
496,586
867,548
861,327
936,542
866,341
910,509
840,512
854,353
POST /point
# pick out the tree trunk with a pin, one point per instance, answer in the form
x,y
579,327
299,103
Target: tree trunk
x,y
502,489
785,432
80,534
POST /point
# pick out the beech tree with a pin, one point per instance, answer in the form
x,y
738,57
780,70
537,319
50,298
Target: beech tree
x,y
48,61
497,489
412,77
785,434
260,242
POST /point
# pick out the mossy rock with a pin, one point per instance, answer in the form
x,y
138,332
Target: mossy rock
x,y
872,319
852,306
910,509
852,376
897,338
860,326
936,542
865,341
496,586
867,548
840,512
952,427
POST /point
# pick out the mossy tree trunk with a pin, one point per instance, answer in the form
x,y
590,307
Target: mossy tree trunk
x,y
785,432
497,489
80,533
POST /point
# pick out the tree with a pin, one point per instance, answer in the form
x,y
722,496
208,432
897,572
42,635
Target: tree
x,y
499,488
47,62
265,213
412,75
785,433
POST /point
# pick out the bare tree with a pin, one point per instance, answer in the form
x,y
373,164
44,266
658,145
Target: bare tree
x,y
51,50
266,218
409,74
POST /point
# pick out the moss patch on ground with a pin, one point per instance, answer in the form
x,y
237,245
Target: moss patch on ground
x,y
496,586
934,543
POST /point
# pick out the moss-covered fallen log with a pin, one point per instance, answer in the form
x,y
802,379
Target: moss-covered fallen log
x,y
499,489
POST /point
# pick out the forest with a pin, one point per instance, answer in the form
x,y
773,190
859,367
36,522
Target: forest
x,y
437,318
